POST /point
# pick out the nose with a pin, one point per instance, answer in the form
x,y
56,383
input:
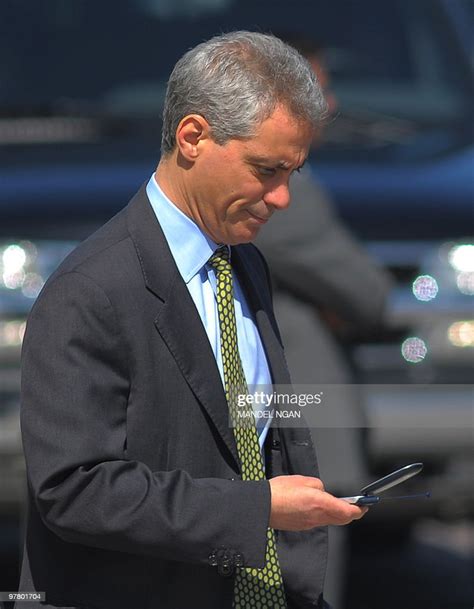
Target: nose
x,y
278,197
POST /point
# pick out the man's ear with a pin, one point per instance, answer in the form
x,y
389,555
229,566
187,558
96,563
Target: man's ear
x,y
192,132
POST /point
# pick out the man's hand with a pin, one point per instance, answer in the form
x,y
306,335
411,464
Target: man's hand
x,y
300,503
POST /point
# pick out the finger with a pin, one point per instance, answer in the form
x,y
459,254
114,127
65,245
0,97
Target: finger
x,y
343,512
363,511
356,513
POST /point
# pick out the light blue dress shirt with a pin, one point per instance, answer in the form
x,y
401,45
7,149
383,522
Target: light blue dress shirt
x,y
191,250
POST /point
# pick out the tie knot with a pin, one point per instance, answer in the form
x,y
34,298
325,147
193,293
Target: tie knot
x,y
220,259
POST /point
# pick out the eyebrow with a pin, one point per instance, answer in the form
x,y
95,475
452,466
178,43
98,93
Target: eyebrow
x,y
279,165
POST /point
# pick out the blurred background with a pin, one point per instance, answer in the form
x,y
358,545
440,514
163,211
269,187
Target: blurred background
x,y
81,93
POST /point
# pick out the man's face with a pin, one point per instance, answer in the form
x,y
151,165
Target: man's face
x,y
238,186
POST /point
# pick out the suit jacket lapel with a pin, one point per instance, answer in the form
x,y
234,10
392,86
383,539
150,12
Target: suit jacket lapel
x,y
177,319
252,279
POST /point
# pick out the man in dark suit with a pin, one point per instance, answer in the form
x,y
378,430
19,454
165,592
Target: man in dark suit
x,y
139,496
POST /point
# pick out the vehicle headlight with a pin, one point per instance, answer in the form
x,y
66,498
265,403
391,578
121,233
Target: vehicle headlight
x,y
24,268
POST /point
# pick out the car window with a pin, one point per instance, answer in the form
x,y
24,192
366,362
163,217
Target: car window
x,y
390,57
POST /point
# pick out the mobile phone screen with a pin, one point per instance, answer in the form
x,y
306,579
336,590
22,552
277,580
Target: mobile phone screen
x,y
392,479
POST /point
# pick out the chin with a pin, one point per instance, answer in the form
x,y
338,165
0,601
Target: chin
x,y
245,237
242,233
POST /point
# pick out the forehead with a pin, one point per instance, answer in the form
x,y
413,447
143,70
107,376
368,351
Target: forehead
x,y
281,138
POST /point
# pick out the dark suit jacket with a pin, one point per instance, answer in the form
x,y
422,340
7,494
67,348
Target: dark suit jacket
x,y
133,473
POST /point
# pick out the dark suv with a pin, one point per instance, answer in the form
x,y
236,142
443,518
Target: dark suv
x,y
83,86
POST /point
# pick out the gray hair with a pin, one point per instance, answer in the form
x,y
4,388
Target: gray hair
x,y
235,81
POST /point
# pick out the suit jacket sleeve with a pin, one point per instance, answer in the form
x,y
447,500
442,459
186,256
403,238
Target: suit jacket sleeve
x,y
74,399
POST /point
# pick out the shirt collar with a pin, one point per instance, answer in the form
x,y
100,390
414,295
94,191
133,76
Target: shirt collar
x,y
190,247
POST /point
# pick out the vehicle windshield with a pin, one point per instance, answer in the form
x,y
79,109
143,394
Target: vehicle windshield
x,y
390,61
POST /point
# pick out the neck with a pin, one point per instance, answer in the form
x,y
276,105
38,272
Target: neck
x,y
171,179
173,176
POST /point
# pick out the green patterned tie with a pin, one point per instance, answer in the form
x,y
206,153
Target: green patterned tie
x,y
259,588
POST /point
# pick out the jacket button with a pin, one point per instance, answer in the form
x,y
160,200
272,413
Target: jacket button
x,y
213,559
276,444
226,565
238,559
